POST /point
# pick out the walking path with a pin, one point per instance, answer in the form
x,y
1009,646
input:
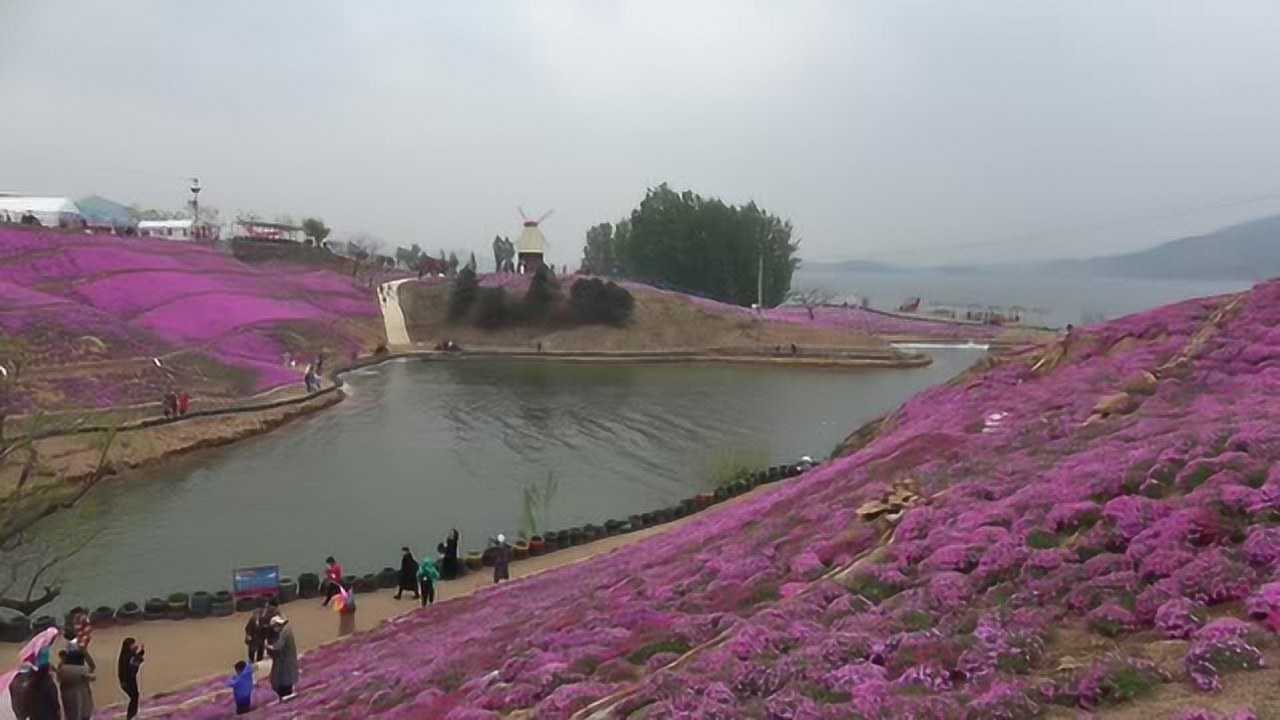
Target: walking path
x,y
392,313
182,652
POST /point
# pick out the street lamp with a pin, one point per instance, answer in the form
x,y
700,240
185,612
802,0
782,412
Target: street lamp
x,y
195,206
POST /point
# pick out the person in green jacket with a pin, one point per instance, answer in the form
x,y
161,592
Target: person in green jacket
x,y
428,574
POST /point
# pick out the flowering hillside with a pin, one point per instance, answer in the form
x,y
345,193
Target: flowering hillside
x,y
92,311
1018,539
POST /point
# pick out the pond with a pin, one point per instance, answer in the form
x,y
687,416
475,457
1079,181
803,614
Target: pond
x,y
422,446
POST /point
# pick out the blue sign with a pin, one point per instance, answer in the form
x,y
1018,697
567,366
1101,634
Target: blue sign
x,y
261,580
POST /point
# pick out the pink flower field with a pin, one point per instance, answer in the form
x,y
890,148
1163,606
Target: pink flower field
x,y
218,324
1113,493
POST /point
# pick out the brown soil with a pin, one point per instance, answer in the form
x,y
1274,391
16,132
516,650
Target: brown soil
x,y
662,321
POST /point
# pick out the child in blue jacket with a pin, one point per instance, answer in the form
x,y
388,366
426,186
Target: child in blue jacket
x,y
241,685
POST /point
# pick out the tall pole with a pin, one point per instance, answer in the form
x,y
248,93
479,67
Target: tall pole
x,y
760,281
195,206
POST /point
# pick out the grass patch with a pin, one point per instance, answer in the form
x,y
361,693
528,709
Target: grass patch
x,y
729,466
1126,684
641,655
917,620
1042,540
824,696
872,589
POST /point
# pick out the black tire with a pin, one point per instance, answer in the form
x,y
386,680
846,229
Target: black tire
x,y
249,603
15,628
102,616
222,596
614,526
128,614
288,590
221,608
154,609
388,578
201,604
308,585
178,606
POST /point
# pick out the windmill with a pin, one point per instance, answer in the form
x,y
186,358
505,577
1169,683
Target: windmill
x,y
531,246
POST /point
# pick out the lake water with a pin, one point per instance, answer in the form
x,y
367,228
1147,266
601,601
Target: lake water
x,y
1066,299
422,446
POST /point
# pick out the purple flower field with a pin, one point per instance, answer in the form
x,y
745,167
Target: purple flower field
x,y
94,299
1129,493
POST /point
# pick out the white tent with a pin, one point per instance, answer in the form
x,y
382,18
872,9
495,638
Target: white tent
x,y
175,229
50,211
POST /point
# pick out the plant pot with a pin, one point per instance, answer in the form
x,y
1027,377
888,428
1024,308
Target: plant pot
x,y
308,585
102,616
389,578
636,522
520,550
201,604
154,609
704,500
577,536
537,545
177,606
288,590
222,608
474,559
15,628
550,544
128,614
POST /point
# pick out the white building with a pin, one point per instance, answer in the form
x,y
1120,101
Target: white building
x,y
171,229
50,211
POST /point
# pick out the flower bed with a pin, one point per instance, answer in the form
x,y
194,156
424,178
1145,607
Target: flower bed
x,y
1047,520
85,298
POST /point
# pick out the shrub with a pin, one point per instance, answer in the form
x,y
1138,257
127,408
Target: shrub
x,y
491,308
595,301
542,294
463,293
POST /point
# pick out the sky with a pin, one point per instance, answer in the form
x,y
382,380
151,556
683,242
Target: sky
x,y
906,131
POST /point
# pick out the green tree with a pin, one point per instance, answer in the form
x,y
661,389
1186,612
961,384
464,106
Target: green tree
x,y
492,309
463,294
598,255
472,262
542,294
453,263
315,229
702,245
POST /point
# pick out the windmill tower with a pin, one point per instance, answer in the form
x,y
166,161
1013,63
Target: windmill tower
x,y
531,246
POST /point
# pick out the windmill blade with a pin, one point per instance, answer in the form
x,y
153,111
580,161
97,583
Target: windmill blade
x,y
522,215
545,215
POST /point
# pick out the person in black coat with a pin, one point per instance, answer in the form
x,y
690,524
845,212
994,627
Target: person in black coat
x,y
131,656
450,552
408,573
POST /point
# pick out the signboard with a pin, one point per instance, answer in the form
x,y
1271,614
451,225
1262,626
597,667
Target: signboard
x,y
261,581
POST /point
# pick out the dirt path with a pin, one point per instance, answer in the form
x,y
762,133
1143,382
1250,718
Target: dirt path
x,y
180,653
392,314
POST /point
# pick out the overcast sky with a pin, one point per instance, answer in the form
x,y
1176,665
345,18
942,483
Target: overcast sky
x,y
914,132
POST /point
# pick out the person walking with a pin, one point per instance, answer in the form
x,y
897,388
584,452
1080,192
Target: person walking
x,y
284,657
241,684
408,574
332,579
73,682
257,631
428,574
42,692
451,555
501,558
127,666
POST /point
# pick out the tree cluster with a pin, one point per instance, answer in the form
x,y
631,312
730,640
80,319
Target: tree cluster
x,y
702,245
590,301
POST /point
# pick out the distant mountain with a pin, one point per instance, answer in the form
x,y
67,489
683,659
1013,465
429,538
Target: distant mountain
x,y
853,266
1248,251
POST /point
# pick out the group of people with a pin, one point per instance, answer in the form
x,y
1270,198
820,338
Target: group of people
x,y
176,404
39,690
267,633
